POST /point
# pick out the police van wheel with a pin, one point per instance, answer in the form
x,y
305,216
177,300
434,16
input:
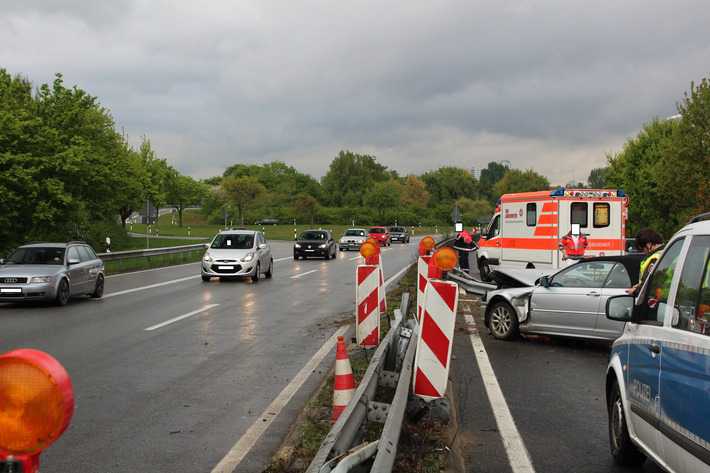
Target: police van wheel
x,y
484,269
623,450
503,321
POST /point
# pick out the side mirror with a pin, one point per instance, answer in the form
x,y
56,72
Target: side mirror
x,y
263,246
73,261
545,281
620,308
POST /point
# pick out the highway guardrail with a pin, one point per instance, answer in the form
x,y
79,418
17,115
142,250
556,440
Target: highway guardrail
x,y
170,250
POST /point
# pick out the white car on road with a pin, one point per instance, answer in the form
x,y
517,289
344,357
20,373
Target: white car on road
x,y
238,253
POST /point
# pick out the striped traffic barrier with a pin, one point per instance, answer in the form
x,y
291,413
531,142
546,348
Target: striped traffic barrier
x,y
367,319
436,332
344,382
422,280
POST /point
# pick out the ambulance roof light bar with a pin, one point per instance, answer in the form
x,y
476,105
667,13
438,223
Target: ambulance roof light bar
x,y
594,193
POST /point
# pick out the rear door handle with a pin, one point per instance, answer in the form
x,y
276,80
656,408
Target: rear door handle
x,y
593,294
654,348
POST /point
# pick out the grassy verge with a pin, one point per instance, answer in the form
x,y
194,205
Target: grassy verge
x,y
150,262
273,232
314,422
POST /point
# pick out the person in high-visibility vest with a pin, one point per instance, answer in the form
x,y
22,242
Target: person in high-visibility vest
x,y
650,243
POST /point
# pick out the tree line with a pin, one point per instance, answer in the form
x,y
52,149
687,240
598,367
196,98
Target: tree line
x,y
665,168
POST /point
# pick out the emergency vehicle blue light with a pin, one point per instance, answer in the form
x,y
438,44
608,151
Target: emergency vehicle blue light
x,y
620,193
559,192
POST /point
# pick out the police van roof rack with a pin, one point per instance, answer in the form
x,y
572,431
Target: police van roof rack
x,y
700,218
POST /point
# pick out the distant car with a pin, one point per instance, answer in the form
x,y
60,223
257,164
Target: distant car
x,y
399,234
352,239
315,243
267,221
658,377
51,271
238,253
570,302
381,235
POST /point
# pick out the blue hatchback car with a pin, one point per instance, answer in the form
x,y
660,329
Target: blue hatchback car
x,y
658,377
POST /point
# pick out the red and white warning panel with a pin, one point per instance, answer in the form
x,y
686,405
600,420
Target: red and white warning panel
x,y
422,279
367,301
436,334
383,292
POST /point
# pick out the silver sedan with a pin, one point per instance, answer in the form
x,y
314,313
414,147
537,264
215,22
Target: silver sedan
x,y
569,303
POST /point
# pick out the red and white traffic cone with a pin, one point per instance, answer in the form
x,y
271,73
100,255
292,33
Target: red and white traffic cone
x,y
344,384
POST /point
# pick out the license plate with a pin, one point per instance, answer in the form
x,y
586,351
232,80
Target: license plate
x,y
311,251
10,290
225,267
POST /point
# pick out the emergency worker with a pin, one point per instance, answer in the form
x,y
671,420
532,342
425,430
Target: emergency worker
x,y
574,246
650,243
464,245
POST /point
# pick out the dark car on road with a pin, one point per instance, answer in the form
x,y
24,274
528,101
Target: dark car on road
x,y
315,243
399,234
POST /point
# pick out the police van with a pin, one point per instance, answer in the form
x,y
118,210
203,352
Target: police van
x,y
658,377
527,228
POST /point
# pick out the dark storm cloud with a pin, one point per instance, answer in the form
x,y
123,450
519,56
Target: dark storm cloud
x,y
418,84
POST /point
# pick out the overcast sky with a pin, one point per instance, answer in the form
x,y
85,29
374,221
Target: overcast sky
x,y
551,85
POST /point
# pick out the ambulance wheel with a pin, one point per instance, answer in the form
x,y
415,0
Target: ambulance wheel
x,y
623,450
484,269
503,321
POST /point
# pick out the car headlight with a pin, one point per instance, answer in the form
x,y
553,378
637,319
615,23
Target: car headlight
x,y
40,279
248,257
322,246
297,245
207,257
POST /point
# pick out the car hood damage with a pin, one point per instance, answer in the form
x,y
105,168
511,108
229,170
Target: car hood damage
x,y
518,277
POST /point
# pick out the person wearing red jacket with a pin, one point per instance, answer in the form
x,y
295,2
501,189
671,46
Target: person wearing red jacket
x,y
574,246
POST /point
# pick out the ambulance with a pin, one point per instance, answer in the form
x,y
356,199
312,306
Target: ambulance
x,y
526,229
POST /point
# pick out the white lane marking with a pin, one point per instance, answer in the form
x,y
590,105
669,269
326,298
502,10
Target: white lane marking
x,y
151,286
518,455
296,276
357,257
233,458
180,317
389,281
151,270
165,283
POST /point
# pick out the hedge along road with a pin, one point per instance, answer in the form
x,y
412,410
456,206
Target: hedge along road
x,y
179,397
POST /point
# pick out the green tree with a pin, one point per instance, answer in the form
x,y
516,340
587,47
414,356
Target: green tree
x,y
516,180
306,206
448,183
383,196
413,193
597,178
242,192
474,211
183,191
349,175
490,176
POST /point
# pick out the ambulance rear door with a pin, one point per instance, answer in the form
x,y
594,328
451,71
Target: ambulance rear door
x,y
527,233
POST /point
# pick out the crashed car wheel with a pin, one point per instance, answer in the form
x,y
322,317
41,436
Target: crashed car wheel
x,y
503,321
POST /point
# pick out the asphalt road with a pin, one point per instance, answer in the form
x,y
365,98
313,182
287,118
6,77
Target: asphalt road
x,y
178,397
554,391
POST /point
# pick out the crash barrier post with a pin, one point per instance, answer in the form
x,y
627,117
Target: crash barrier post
x,y
344,382
433,357
367,318
362,409
41,409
